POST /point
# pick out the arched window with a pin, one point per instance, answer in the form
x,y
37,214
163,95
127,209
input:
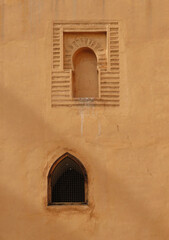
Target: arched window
x,y
67,181
85,75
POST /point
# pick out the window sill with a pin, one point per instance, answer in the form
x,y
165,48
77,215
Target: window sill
x,y
63,208
67,203
85,99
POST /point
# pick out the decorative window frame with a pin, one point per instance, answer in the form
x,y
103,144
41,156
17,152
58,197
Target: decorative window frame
x,y
107,61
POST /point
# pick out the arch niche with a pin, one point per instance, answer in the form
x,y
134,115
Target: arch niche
x,y
67,181
85,74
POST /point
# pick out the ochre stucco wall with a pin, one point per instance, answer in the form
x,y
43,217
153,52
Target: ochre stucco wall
x,y
124,149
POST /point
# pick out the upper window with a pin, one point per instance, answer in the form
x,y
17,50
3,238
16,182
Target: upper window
x,y
85,75
67,181
86,64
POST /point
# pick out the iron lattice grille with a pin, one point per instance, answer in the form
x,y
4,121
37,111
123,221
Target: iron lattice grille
x,y
68,182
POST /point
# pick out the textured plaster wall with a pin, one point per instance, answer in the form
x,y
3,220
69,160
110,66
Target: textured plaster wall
x,y
124,149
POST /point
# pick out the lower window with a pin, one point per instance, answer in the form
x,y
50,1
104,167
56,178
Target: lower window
x,y
67,181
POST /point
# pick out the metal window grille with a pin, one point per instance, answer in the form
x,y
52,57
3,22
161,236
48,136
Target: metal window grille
x,y
68,182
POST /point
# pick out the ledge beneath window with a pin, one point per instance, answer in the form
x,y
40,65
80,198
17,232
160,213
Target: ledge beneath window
x,y
67,203
114,102
67,208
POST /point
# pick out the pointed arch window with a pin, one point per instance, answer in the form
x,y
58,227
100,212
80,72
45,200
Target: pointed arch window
x,y
67,182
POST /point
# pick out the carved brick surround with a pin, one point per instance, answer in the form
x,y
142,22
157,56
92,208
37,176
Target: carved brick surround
x,y
103,39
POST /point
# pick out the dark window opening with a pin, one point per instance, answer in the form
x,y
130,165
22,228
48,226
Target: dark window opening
x,y
67,182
